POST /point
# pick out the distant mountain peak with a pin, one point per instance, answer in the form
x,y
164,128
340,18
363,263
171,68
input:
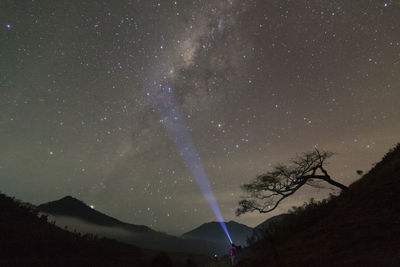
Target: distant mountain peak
x,y
215,222
71,207
234,222
212,231
67,205
71,199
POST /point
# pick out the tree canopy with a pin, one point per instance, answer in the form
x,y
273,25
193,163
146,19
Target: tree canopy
x,y
266,191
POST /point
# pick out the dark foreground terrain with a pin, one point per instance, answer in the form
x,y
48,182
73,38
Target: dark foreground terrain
x,y
361,227
28,240
208,239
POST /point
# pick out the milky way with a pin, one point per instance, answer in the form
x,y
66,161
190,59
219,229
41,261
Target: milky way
x,y
255,81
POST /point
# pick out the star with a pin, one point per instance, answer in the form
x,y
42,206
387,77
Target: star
x,y
98,104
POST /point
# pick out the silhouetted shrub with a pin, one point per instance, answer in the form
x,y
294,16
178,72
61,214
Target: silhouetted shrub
x,y
161,260
297,220
27,238
189,263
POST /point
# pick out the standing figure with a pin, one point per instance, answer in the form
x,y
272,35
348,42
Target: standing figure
x,y
215,257
233,253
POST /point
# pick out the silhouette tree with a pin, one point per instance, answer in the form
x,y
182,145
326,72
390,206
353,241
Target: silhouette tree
x,y
268,190
189,263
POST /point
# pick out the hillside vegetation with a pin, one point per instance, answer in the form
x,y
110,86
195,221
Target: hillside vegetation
x,y
74,215
27,240
360,227
72,207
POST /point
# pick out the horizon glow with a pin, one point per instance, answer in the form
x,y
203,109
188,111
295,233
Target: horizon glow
x,y
165,106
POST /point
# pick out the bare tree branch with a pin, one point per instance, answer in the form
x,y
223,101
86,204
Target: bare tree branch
x,y
267,191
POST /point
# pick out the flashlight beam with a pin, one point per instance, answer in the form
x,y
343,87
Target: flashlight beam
x,y
165,105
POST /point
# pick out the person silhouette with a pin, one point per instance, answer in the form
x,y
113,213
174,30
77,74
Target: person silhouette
x,y
233,253
215,257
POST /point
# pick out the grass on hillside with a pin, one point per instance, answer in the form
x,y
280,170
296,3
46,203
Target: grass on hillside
x,y
27,239
360,227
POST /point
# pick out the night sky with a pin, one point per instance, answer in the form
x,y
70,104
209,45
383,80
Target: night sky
x,y
256,82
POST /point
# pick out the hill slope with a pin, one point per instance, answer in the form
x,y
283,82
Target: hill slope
x,y
73,214
72,207
27,240
259,231
212,231
360,227
267,222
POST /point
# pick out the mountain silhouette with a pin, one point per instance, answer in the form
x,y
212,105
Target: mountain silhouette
x,y
27,239
267,222
259,231
360,227
74,208
213,231
73,214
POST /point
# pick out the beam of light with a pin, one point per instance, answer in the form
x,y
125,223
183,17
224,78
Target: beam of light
x,y
165,106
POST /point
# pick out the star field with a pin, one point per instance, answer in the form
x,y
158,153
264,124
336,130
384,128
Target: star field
x,y
256,82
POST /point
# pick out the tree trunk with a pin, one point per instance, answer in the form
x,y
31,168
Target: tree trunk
x,y
337,184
